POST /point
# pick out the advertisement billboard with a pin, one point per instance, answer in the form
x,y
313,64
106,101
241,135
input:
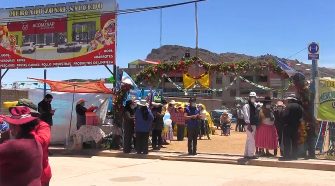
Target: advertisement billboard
x,y
326,100
58,35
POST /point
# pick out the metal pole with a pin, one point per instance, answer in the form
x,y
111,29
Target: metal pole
x,y
45,84
315,81
161,27
115,69
1,77
74,90
196,29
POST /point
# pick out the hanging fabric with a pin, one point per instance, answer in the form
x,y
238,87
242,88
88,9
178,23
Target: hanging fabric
x,y
189,81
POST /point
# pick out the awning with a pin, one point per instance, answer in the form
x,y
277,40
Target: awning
x,y
76,87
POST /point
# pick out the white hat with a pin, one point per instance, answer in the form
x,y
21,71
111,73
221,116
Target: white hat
x,y
252,94
292,97
172,102
225,112
143,102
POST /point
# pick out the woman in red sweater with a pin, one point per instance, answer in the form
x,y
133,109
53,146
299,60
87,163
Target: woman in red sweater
x,y
43,136
21,158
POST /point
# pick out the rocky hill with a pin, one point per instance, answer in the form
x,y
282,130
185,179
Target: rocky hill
x,y
174,52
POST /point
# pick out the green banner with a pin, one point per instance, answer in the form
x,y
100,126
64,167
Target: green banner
x,y
326,105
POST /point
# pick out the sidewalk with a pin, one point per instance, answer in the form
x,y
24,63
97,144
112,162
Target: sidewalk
x,y
324,165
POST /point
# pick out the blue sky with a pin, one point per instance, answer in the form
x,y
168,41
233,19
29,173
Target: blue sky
x,y
253,27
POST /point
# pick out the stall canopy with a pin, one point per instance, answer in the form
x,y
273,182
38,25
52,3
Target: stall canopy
x,y
76,87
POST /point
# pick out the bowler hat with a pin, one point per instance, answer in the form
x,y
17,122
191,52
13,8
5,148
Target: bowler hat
x,y
80,101
267,99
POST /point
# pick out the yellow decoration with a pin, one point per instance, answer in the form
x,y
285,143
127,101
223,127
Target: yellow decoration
x,y
204,81
189,81
9,104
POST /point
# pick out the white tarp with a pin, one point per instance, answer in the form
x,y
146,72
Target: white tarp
x,y
62,103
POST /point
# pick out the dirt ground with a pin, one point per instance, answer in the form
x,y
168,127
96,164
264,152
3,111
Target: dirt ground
x,y
233,144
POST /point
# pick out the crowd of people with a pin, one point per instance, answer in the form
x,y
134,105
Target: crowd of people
x,y
24,154
271,126
141,119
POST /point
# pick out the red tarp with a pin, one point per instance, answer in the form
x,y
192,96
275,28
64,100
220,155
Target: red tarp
x,y
77,87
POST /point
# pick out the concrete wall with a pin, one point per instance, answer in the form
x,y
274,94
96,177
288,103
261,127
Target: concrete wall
x,y
11,95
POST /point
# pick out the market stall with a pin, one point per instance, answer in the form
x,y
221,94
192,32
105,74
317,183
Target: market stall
x,y
95,93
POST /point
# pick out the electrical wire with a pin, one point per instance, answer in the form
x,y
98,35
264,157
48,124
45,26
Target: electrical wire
x,y
321,72
95,14
296,53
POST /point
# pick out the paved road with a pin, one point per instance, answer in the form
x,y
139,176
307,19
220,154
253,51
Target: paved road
x,y
105,171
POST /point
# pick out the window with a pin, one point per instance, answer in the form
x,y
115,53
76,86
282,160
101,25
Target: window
x,y
219,93
40,39
84,32
233,93
262,79
250,78
245,91
218,80
132,66
178,79
49,38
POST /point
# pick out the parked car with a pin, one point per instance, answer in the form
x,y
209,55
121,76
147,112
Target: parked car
x,y
29,47
216,114
42,45
69,47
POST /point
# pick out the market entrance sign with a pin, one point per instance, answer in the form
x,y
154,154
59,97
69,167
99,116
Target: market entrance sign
x,y
58,35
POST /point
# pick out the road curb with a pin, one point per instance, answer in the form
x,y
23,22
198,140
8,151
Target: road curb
x,y
293,164
237,161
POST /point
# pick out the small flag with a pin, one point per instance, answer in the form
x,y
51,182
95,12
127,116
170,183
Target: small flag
x,y
289,70
128,80
111,79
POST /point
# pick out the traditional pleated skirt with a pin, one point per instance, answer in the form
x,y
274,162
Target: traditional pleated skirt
x,y
266,137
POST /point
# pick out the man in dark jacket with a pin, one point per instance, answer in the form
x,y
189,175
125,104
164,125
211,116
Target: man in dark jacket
x,y
192,116
128,126
292,117
44,108
157,126
279,123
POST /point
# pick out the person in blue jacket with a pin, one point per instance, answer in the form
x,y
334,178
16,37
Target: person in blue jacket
x,y
143,123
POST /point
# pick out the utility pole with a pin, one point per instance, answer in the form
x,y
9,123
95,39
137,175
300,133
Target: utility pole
x,y
196,30
313,54
45,84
